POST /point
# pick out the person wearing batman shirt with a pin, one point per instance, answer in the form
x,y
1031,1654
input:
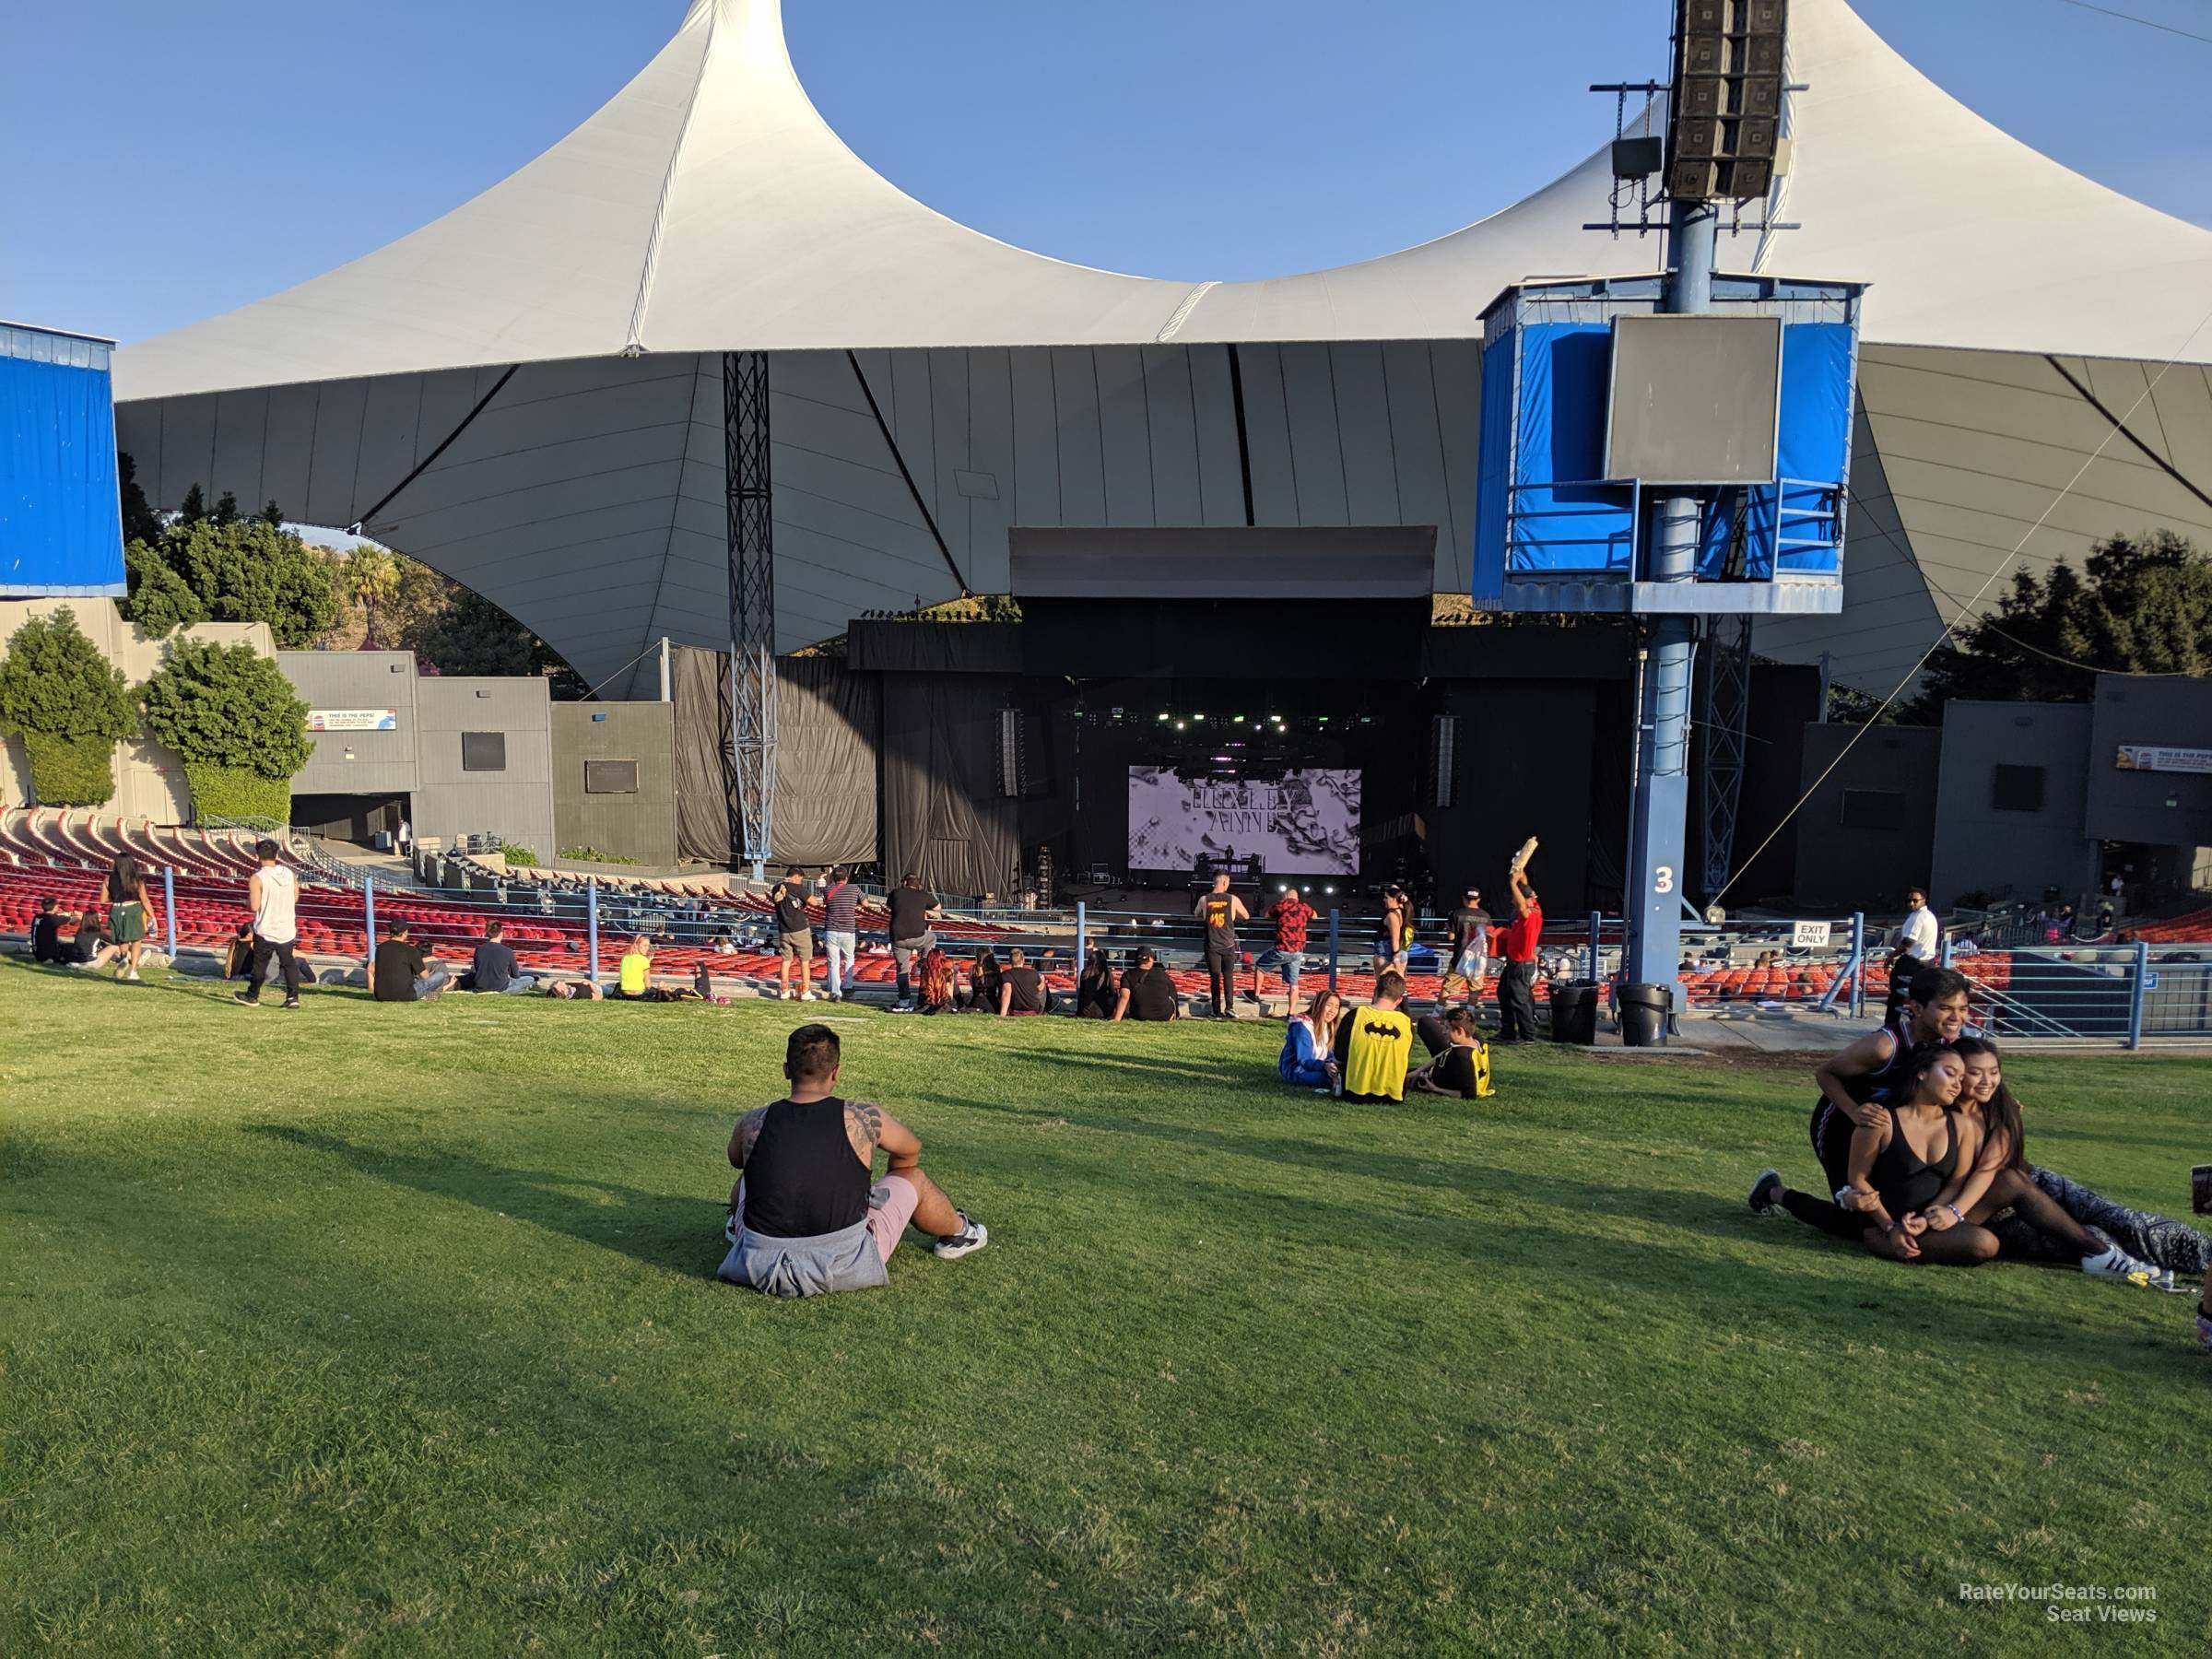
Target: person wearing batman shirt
x,y
1374,1043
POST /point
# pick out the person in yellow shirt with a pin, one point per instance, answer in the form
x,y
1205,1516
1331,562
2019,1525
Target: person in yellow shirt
x,y
1376,1044
636,971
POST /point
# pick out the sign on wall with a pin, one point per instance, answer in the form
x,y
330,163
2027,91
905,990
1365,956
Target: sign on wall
x,y
1815,934
2144,757
353,720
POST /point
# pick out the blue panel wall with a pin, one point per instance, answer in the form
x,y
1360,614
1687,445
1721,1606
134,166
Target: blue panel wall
x,y
61,520
1565,369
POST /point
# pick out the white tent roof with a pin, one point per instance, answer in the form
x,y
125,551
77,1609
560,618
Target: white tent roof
x,y
707,207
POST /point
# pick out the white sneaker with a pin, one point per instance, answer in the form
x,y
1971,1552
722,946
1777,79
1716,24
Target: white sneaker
x,y
972,1237
2116,1263
132,977
805,997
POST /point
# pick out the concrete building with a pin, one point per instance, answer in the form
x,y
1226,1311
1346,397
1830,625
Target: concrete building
x,y
614,780
457,755
2009,802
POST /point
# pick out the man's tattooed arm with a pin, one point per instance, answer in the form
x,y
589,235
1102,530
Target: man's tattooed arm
x,y
744,1135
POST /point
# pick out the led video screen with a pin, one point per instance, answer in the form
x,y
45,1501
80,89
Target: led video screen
x,y
1306,823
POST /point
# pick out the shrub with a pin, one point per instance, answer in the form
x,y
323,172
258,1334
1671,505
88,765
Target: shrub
x,y
515,854
235,792
70,772
233,716
593,855
70,707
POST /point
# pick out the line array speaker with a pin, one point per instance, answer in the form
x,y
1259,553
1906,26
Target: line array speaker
x,y
1724,128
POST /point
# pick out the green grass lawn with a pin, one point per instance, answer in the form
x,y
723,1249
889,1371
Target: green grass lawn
x,y
393,1329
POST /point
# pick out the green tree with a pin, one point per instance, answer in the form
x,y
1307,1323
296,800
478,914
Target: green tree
x,y
70,706
371,578
2139,604
472,635
250,570
234,718
140,522
160,601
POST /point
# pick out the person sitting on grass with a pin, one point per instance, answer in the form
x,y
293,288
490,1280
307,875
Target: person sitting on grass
x,y
805,1214
1374,1044
1309,1055
2039,1215
1461,1068
46,934
633,973
401,973
1898,1173
1148,991
1854,1082
939,982
1096,992
87,945
986,980
495,967
1022,988
238,956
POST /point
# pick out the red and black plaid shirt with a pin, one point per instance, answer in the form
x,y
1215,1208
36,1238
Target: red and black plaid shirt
x,y
1290,918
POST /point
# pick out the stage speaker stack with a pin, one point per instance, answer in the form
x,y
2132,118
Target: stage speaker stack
x,y
1444,760
1010,754
1723,129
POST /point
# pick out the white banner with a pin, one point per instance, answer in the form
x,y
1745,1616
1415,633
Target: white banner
x,y
353,720
1306,824
2145,757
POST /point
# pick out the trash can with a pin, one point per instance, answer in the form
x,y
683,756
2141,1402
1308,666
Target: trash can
x,y
1644,1010
1575,1011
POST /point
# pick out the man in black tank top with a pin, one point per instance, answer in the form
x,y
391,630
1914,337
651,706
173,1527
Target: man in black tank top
x,y
1855,1083
807,1214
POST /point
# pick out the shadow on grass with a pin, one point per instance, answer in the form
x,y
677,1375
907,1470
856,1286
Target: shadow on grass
x,y
678,1233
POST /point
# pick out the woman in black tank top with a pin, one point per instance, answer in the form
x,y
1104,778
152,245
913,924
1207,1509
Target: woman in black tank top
x,y
1897,1172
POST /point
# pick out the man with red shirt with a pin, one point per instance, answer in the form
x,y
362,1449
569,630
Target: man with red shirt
x,y
1517,941
1291,914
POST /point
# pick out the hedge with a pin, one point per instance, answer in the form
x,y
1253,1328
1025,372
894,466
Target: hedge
x,y
70,772
232,792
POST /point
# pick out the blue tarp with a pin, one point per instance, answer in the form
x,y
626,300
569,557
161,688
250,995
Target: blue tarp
x,y
1552,514
61,519
1564,372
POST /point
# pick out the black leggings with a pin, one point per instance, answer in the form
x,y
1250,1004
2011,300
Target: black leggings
x,y
1829,1218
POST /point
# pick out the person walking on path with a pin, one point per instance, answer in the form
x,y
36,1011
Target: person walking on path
x,y
129,914
840,930
274,895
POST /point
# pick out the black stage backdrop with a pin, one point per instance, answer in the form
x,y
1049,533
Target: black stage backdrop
x,y
943,814
827,719
706,782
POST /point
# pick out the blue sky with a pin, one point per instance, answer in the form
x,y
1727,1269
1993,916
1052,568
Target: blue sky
x,y
164,161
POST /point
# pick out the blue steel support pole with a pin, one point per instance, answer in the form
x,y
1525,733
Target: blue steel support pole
x,y
1595,974
591,920
1943,957
1332,949
2138,984
368,920
1082,938
1858,964
169,910
1653,906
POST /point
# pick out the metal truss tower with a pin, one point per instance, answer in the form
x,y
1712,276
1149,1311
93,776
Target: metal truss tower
x,y
1727,663
747,481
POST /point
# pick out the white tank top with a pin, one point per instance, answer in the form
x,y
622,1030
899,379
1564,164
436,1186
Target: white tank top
x,y
277,920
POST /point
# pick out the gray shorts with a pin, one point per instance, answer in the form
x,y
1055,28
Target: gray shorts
x,y
796,946
906,952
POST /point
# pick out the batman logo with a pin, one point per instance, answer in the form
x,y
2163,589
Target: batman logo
x,y
1392,1033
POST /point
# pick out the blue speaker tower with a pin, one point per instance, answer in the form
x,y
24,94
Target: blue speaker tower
x,y
1667,447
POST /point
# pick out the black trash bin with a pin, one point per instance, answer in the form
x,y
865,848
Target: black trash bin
x,y
1575,1011
1644,1011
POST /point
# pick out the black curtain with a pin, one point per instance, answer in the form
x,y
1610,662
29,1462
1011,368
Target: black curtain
x,y
943,814
706,776
827,719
